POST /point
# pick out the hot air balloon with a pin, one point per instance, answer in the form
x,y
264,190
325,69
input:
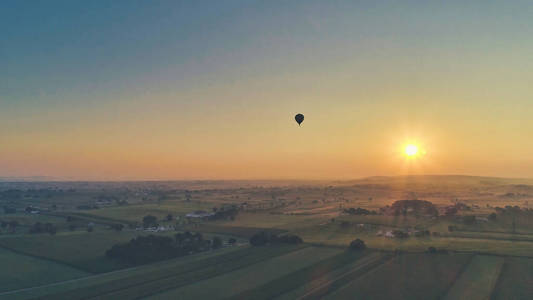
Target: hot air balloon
x,y
299,119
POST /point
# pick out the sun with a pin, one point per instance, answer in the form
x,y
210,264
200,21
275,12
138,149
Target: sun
x,y
411,150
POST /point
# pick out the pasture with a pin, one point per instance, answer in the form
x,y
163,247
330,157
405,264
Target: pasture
x,y
82,250
515,281
409,276
22,271
478,279
225,286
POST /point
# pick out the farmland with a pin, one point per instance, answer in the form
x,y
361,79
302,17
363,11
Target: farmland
x,y
482,249
478,280
264,271
20,271
408,276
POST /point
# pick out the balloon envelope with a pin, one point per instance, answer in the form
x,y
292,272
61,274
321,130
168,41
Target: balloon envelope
x,y
299,118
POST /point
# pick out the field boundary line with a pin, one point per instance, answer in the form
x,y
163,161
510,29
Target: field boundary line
x,y
46,258
117,289
499,280
351,275
461,271
112,291
94,275
226,271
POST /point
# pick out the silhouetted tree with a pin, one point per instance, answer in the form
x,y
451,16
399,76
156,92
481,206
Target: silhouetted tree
x,y
217,242
357,245
149,221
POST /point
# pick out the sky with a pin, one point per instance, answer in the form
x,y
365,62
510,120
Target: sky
x,y
150,90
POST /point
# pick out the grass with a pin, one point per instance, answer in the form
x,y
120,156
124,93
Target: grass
x,y
245,232
286,284
21,271
478,279
334,235
342,276
408,276
136,212
82,250
232,283
516,280
197,273
97,283
276,221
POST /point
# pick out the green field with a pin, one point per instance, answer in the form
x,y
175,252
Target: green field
x,y
21,271
111,279
335,235
329,275
408,276
228,285
82,250
135,213
168,278
516,280
478,280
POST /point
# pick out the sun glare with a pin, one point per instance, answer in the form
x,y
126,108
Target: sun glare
x,y
411,150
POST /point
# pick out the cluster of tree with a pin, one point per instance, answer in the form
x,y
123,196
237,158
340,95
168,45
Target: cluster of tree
x,y
116,226
422,233
513,210
150,221
11,225
263,238
146,249
400,234
43,228
452,210
411,207
357,245
359,211
30,209
225,213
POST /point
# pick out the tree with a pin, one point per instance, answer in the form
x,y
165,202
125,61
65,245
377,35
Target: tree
x,y
432,250
169,217
117,227
357,245
232,241
90,229
259,239
493,217
149,221
217,242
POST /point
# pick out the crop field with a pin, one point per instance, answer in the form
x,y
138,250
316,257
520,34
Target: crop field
x,y
478,279
102,281
224,286
82,250
20,271
516,280
245,232
482,250
410,276
135,213
322,278
164,279
278,221
335,235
